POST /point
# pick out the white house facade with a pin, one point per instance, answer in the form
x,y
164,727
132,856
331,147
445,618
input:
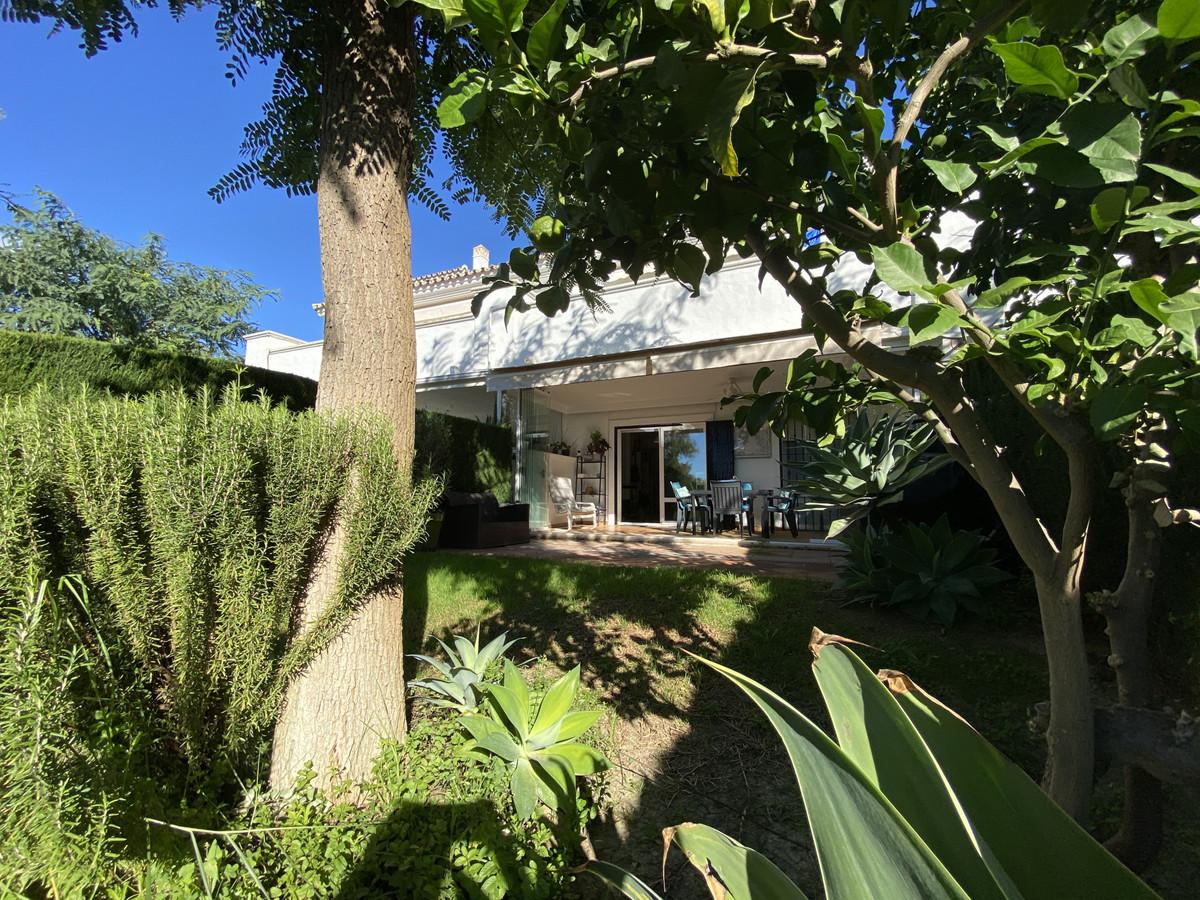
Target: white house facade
x,y
648,375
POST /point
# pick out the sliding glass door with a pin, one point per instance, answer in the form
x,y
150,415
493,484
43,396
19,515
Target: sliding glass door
x,y
650,457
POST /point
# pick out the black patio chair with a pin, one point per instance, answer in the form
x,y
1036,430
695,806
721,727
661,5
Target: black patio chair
x,y
688,508
726,503
783,504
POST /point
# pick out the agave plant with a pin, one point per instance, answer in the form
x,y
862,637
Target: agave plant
x,y
869,467
910,802
461,676
927,570
539,747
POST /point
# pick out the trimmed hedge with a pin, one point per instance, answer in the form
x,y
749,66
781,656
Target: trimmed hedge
x,y
65,362
471,456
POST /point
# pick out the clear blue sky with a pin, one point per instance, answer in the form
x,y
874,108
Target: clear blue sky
x,y
132,139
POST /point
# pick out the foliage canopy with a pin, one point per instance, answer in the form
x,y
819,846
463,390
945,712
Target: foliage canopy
x,y
59,276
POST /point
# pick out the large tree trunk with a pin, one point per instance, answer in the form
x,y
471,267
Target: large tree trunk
x,y
352,695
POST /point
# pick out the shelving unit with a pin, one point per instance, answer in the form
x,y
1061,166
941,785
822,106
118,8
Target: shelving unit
x,y
590,482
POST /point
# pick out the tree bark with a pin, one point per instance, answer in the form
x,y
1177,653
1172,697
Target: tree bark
x,y
1127,613
351,696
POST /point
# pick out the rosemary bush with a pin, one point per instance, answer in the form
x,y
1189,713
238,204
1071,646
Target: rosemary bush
x,y
196,525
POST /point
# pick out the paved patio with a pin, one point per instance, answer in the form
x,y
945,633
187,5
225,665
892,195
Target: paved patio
x,y
795,559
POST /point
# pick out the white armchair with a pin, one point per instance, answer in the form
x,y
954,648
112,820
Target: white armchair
x,y
562,495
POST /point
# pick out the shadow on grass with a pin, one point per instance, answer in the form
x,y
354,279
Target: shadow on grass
x,y
688,745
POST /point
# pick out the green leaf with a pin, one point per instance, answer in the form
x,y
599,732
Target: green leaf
x,y
1179,20
1183,317
1128,40
1150,297
524,786
872,118
522,264
714,11
1109,135
552,300
1122,329
507,705
1061,16
490,20
545,37
1187,179
614,876
1018,152
1005,142
874,732
927,321
452,10
1063,166
1038,69
1108,208
558,700
995,296
688,265
547,233
865,847
1116,407
576,723
582,759
730,867
733,94
955,177
901,268
465,100
1046,854
1129,86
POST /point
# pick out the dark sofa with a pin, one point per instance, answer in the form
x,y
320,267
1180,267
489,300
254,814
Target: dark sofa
x,y
478,520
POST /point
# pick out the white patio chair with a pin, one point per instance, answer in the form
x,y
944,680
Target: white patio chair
x,y
562,495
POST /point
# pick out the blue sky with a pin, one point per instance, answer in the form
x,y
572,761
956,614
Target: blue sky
x,y
132,139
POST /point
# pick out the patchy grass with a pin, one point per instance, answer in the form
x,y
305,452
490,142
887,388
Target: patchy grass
x,y
687,746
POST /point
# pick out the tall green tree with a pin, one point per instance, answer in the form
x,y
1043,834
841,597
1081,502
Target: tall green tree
x,y
810,133
351,118
59,276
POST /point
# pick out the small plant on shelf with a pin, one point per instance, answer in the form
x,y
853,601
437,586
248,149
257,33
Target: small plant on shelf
x,y
598,445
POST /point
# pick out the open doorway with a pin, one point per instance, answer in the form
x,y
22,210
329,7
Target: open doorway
x,y
649,458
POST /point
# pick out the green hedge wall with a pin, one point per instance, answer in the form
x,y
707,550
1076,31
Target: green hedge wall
x,y
472,456
65,362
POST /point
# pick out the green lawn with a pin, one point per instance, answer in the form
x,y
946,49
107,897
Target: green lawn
x,y
687,746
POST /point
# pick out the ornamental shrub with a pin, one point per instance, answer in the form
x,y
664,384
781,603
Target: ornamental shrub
x,y
196,525
927,570
438,822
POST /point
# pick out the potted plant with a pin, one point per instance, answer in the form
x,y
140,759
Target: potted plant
x,y
598,445
560,447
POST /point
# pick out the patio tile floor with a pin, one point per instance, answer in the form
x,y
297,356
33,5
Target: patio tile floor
x,y
598,547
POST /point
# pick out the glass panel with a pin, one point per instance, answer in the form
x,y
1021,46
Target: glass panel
x,y
684,460
540,425
639,458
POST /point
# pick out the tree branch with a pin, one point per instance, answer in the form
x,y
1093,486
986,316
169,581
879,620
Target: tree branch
x,y
946,393
912,110
747,53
